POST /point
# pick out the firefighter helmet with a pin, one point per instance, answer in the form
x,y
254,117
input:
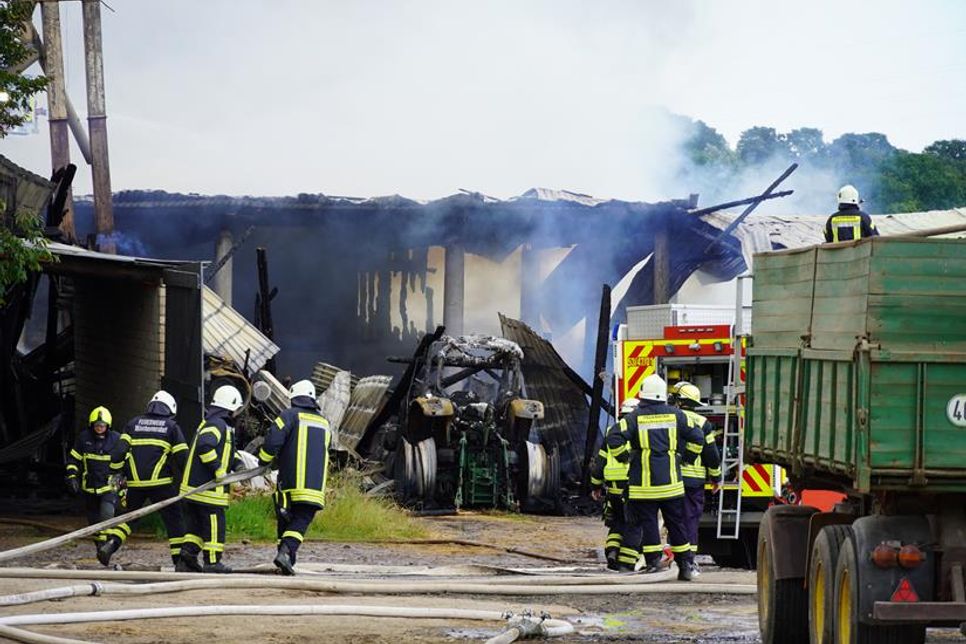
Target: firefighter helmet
x,y
654,389
688,395
227,397
100,415
166,399
302,388
849,195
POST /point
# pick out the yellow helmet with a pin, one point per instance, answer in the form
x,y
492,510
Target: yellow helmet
x,y
100,415
688,394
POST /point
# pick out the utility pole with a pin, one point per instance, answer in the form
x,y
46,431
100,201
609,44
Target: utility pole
x,y
97,125
52,58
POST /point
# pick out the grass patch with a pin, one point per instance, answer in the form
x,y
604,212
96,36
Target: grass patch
x,y
349,515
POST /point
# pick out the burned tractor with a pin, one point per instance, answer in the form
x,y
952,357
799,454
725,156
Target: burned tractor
x,y
465,435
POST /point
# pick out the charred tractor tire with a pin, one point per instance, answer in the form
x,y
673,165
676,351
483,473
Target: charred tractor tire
x,y
782,603
849,629
416,471
821,582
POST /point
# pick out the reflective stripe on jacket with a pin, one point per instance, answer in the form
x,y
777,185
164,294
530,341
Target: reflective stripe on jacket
x,y
211,456
299,442
146,445
849,223
607,468
658,437
90,459
709,463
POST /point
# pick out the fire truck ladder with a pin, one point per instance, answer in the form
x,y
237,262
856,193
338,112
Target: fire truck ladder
x,y
732,445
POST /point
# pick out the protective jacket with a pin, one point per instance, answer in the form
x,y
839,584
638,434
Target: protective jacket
x,y
709,462
299,443
148,445
657,437
90,459
849,223
212,455
607,469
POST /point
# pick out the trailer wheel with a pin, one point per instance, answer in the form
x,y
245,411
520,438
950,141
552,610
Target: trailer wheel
x,y
821,582
782,603
849,629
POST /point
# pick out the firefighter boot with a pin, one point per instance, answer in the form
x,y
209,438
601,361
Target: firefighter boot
x,y
611,554
685,569
106,549
217,567
283,560
188,563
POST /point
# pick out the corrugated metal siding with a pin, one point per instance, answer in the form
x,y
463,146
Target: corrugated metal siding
x,y
227,333
117,347
564,425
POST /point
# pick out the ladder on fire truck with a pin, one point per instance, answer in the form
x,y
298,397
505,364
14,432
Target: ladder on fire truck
x,y
732,445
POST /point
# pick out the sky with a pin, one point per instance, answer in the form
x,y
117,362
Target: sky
x,y
423,98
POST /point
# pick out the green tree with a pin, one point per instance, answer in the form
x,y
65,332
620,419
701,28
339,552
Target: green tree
x,y
806,143
22,243
951,149
759,144
706,146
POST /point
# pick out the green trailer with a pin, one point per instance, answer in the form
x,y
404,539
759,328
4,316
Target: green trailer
x,y
856,378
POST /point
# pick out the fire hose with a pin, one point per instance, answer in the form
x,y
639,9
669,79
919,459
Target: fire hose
x,y
9,625
41,546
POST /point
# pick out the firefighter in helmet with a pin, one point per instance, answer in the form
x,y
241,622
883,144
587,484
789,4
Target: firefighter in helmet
x,y
89,472
655,440
707,466
850,221
608,476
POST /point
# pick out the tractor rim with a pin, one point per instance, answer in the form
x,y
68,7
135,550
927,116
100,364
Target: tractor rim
x,y
764,583
818,602
844,608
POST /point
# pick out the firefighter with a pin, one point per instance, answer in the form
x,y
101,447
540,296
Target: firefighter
x,y
89,472
850,222
708,465
609,476
656,438
211,456
298,443
152,453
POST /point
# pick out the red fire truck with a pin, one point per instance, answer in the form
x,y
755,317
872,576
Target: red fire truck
x,y
696,343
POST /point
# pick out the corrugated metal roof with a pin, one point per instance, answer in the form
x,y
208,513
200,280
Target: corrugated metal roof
x,y
226,333
566,409
797,231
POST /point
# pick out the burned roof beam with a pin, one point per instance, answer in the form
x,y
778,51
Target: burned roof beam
x,y
740,202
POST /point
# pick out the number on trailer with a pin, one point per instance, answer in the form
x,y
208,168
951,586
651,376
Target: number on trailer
x,y
956,410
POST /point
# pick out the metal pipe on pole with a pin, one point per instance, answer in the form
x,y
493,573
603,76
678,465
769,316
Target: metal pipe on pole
x,y
97,125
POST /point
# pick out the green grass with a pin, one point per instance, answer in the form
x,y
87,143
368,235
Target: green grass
x,y
349,515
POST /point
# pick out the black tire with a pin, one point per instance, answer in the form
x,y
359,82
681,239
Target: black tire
x,y
821,582
782,603
848,628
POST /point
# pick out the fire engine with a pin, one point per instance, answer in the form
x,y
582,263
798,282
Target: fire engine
x,y
697,344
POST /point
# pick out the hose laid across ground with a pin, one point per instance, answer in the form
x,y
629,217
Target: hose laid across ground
x,y
8,625
90,530
371,588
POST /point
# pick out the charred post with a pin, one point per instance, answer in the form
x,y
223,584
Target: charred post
x,y
600,362
97,125
265,296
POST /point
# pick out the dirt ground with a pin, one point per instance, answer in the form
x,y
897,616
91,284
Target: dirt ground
x,y
613,618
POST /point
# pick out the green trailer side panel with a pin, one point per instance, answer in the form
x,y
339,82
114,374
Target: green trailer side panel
x,y
856,387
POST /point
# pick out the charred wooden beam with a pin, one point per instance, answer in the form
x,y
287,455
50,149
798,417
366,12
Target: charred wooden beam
x,y
597,391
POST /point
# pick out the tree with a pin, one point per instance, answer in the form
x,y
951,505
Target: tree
x,y
22,244
706,146
806,143
15,89
759,144
950,149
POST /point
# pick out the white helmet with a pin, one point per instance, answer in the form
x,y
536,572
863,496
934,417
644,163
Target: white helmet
x,y
302,388
653,388
227,397
165,398
848,194
629,405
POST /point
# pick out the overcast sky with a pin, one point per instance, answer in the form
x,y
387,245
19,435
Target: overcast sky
x,y
422,98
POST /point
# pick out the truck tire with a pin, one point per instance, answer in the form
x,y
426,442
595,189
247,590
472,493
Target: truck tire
x,y
848,628
821,582
782,603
